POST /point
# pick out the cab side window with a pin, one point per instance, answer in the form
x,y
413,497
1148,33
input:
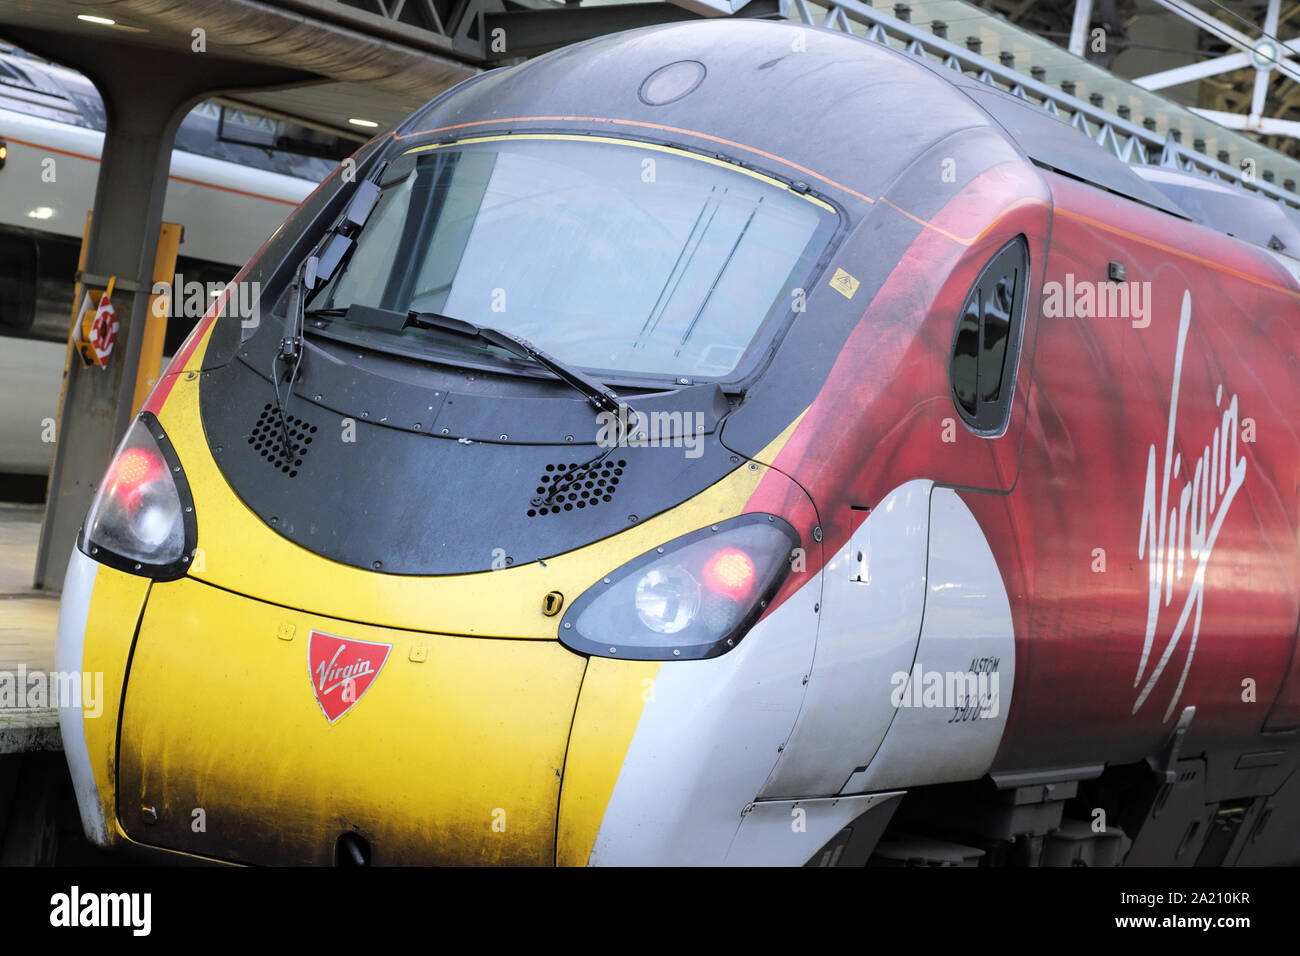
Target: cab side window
x,y
986,347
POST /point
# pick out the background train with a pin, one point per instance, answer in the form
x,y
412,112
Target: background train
x,y
957,521
229,196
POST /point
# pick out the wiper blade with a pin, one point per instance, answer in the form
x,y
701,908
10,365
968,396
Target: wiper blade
x,y
599,395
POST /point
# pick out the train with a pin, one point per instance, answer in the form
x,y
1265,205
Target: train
x,y
227,193
719,443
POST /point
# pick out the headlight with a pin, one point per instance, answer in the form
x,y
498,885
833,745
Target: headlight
x,y
142,519
695,597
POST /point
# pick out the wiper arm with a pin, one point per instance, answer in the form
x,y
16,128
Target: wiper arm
x,y
599,395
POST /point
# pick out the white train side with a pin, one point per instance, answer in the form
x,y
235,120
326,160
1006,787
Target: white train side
x,y
229,197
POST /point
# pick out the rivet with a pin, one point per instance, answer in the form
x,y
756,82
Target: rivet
x,y
377,565
567,625
676,652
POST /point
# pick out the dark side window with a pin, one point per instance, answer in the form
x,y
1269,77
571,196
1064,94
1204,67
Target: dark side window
x,y
987,344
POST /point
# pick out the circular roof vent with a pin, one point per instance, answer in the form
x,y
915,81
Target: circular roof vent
x,y
670,83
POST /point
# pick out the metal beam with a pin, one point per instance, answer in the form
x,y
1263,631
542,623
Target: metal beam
x,y
1194,71
1079,28
1266,124
1227,34
530,32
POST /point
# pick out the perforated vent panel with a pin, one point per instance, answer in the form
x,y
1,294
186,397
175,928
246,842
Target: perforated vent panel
x,y
570,487
267,439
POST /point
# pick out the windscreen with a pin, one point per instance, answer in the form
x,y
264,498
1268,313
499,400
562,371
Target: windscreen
x,y
609,255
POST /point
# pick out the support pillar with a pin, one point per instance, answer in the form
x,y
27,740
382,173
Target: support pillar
x,y
147,91
1079,28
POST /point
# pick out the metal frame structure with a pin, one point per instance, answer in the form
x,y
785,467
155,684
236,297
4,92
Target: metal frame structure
x,y
495,31
1266,54
1127,140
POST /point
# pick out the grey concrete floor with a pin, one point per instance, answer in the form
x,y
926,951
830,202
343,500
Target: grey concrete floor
x,y
28,620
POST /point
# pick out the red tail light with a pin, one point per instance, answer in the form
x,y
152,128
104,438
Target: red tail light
x,y
131,472
730,572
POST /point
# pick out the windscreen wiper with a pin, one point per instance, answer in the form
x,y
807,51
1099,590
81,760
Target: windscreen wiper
x,y
599,395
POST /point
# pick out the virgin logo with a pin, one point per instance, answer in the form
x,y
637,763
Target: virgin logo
x,y
342,670
1181,526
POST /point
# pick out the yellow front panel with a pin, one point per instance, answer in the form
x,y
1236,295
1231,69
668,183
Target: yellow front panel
x,y
453,759
614,693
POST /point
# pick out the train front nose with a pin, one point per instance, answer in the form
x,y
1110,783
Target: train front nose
x,y
255,733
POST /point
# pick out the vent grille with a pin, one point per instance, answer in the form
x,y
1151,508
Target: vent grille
x,y
267,440
573,487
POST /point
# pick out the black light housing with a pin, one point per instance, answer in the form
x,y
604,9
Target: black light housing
x,y
694,597
142,520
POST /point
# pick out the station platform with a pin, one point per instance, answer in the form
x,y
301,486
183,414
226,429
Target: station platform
x,y
28,622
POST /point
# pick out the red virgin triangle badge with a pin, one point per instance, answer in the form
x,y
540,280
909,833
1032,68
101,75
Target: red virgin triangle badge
x,y
342,670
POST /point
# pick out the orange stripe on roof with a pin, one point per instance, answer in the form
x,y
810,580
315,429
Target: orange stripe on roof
x,y
1175,251
973,239
643,125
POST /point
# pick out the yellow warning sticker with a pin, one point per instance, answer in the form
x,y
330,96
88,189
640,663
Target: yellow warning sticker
x,y
844,284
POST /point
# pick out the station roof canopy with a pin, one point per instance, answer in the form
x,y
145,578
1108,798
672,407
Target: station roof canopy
x,y
371,59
